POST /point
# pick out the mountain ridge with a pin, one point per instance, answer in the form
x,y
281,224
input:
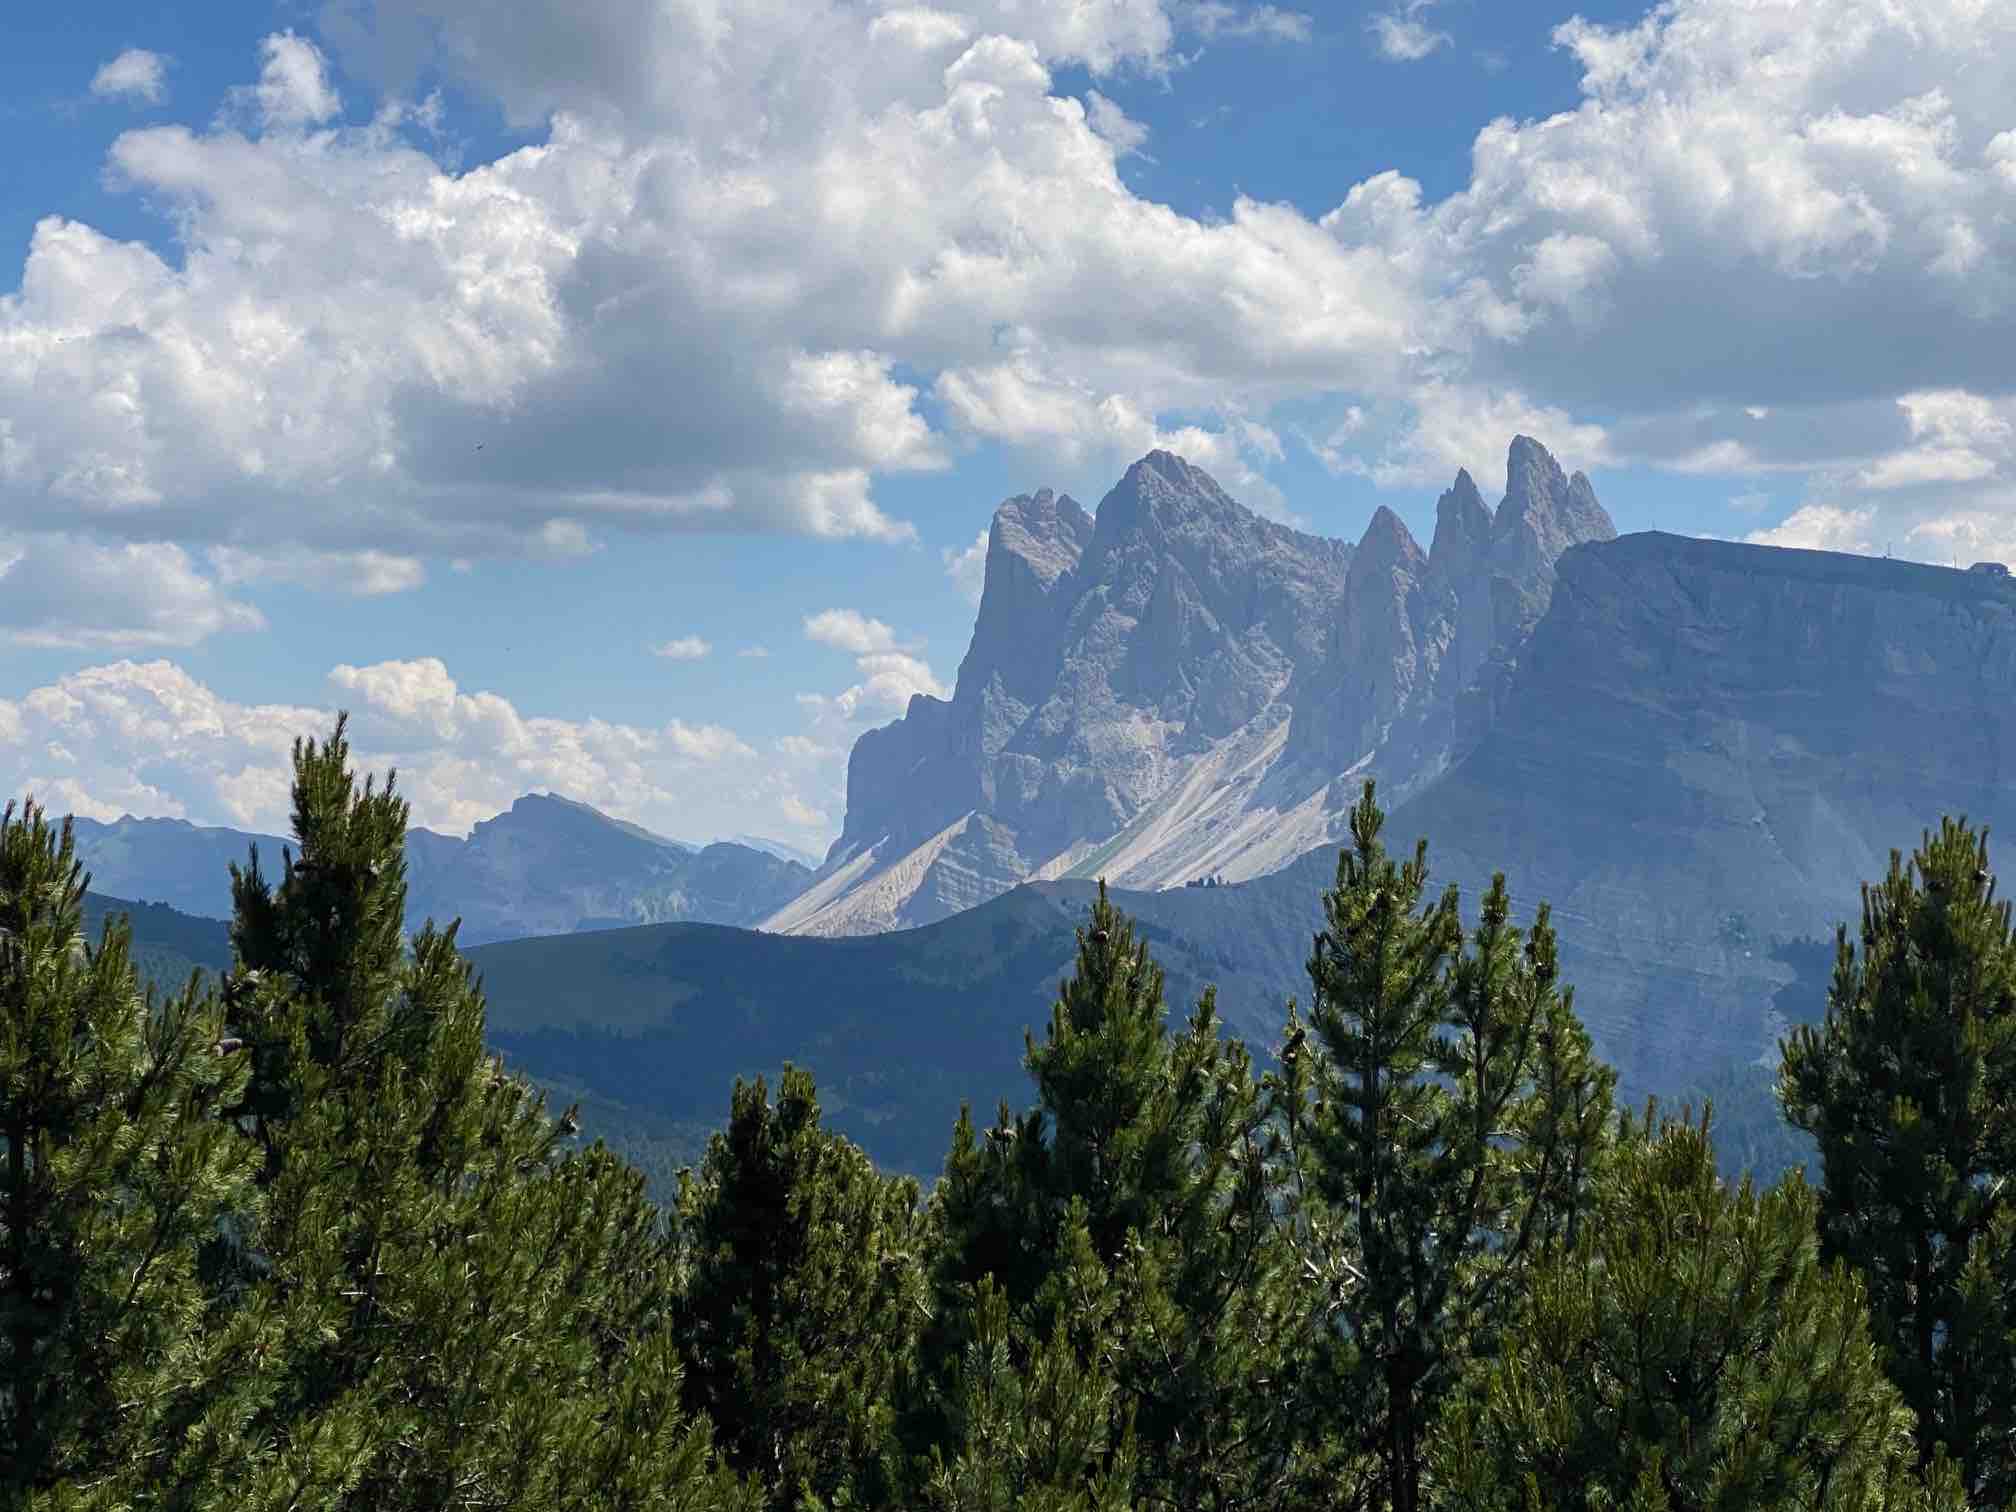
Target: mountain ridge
x,y
1175,686
546,865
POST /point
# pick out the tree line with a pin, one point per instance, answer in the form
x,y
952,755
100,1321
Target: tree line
x,y
299,1242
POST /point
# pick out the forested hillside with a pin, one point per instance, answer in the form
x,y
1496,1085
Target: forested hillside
x,y
297,1239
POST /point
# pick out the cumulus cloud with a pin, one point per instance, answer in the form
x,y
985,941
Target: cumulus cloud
x,y
967,567
685,648
148,738
1112,124
891,674
61,590
293,87
136,74
1759,228
1821,527
849,630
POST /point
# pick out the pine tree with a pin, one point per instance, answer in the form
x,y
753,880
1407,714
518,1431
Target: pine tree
x,y
475,1318
1035,1417
802,1294
1909,1088
1689,1351
1154,1140
1440,1131
115,1169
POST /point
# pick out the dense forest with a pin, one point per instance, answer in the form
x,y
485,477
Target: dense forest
x,y
296,1239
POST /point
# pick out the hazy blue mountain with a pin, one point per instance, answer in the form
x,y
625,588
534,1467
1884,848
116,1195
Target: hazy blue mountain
x,y
779,849
547,865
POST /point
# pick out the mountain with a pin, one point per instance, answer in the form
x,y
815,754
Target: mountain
x,y
778,849
1180,688
898,1028
551,866
167,945
1701,753
185,866
547,865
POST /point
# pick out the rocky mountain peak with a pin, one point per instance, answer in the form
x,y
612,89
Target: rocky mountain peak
x,y
1386,544
1044,532
1462,525
1162,495
1176,685
1545,511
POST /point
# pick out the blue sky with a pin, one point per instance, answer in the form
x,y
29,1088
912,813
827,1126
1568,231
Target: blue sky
x,y
516,385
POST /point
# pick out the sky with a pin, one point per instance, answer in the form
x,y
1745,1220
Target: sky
x,y
609,397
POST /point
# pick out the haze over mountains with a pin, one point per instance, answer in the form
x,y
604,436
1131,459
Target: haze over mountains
x,y
1179,688
545,866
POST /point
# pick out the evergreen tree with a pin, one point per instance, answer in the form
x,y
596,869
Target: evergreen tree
x,y
1689,1351
479,1322
1035,1417
802,1295
115,1168
1439,1132
1909,1088
1152,1139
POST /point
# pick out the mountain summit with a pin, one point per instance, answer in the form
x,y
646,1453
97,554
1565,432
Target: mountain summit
x,y
1176,686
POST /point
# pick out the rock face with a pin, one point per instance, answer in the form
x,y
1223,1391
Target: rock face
x,y
546,866
1174,689
1705,748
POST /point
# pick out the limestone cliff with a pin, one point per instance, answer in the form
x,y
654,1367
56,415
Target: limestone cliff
x,y
1704,749
1176,687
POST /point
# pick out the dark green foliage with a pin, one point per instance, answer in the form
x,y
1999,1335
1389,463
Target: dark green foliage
x,y
1752,1135
803,1293
1150,1142
1443,1121
166,946
114,1169
1910,1089
1033,1416
1689,1351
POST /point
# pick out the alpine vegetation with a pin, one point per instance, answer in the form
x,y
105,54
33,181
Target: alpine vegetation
x,y
296,1238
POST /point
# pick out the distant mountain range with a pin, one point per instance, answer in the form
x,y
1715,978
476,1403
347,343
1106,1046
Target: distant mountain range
x,y
547,865
1696,751
1180,688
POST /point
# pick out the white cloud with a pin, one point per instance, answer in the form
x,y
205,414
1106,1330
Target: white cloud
x,y
849,630
967,567
890,675
1212,19
1113,125
366,573
705,743
1760,227
1821,527
136,74
1402,36
685,648
147,738
294,87
800,814
61,590
754,651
